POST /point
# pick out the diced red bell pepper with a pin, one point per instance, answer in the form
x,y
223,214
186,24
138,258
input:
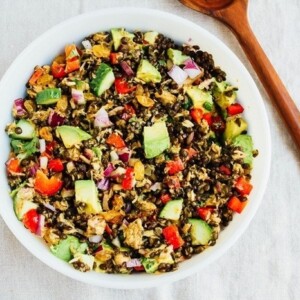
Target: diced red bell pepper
x,y
116,141
72,58
71,52
196,114
204,212
72,65
13,166
36,75
174,166
235,109
47,186
217,125
173,182
236,204
225,170
208,118
31,220
122,86
243,186
129,111
50,146
128,180
172,236
191,153
139,268
114,58
56,165
165,198
108,229
58,70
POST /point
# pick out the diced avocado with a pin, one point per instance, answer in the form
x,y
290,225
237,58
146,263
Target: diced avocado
x,y
172,210
177,57
156,139
71,135
86,261
48,96
201,232
26,129
245,142
201,99
165,256
150,37
150,264
234,127
22,200
104,79
118,34
86,193
224,94
66,248
148,72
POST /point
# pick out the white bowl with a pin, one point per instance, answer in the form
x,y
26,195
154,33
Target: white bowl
x,y
43,50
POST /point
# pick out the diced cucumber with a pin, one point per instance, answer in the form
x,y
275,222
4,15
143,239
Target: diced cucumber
x,y
201,232
104,79
172,210
48,96
150,264
27,130
201,99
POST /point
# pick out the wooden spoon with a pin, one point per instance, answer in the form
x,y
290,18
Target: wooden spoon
x,y
233,13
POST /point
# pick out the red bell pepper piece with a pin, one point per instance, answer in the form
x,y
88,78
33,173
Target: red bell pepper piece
x,y
225,170
165,198
173,182
58,70
128,180
196,114
243,186
139,268
191,153
31,220
129,111
56,165
174,166
217,124
208,118
47,186
235,109
13,166
108,230
122,86
116,141
172,236
204,212
236,204
50,146
72,58
72,65
114,58
36,75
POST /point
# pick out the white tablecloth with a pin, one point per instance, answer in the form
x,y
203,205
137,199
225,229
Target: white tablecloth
x,y
265,262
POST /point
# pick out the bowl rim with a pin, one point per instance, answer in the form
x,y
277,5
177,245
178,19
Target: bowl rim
x,y
153,280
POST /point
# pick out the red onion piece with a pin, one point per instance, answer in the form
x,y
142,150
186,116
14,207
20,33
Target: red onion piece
x,y
19,108
178,75
78,96
124,155
55,119
190,138
43,162
41,224
118,172
95,239
49,206
103,184
108,170
32,170
134,262
128,207
102,119
191,68
42,143
86,44
126,68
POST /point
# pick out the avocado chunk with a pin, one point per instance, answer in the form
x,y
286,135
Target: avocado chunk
x,y
104,79
244,141
150,37
118,34
86,193
177,57
22,201
156,139
66,248
234,127
172,210
224,93
71,135
201,232
48,96
23,130
201,99
148,72
150,264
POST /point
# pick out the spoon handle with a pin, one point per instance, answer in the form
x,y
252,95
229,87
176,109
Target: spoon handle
x,y
238,23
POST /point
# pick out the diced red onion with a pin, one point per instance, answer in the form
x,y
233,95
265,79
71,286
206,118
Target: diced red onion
x,y
108,170
191,68
156,186
118,172
86,44
32,170
103,184
43,162
49,206
128,207
178,75
134,262
102,119
125,222
42,143
19,107
124,155
190,138
126,68
95,239
41,224
55,119
78,97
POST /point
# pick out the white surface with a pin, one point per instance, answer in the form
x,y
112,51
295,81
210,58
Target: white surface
x,y
264,264
74,30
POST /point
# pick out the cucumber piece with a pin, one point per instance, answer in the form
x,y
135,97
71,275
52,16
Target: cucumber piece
x,y
201,232
201,99
103,80
172,210
27,130
48,96
150,264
